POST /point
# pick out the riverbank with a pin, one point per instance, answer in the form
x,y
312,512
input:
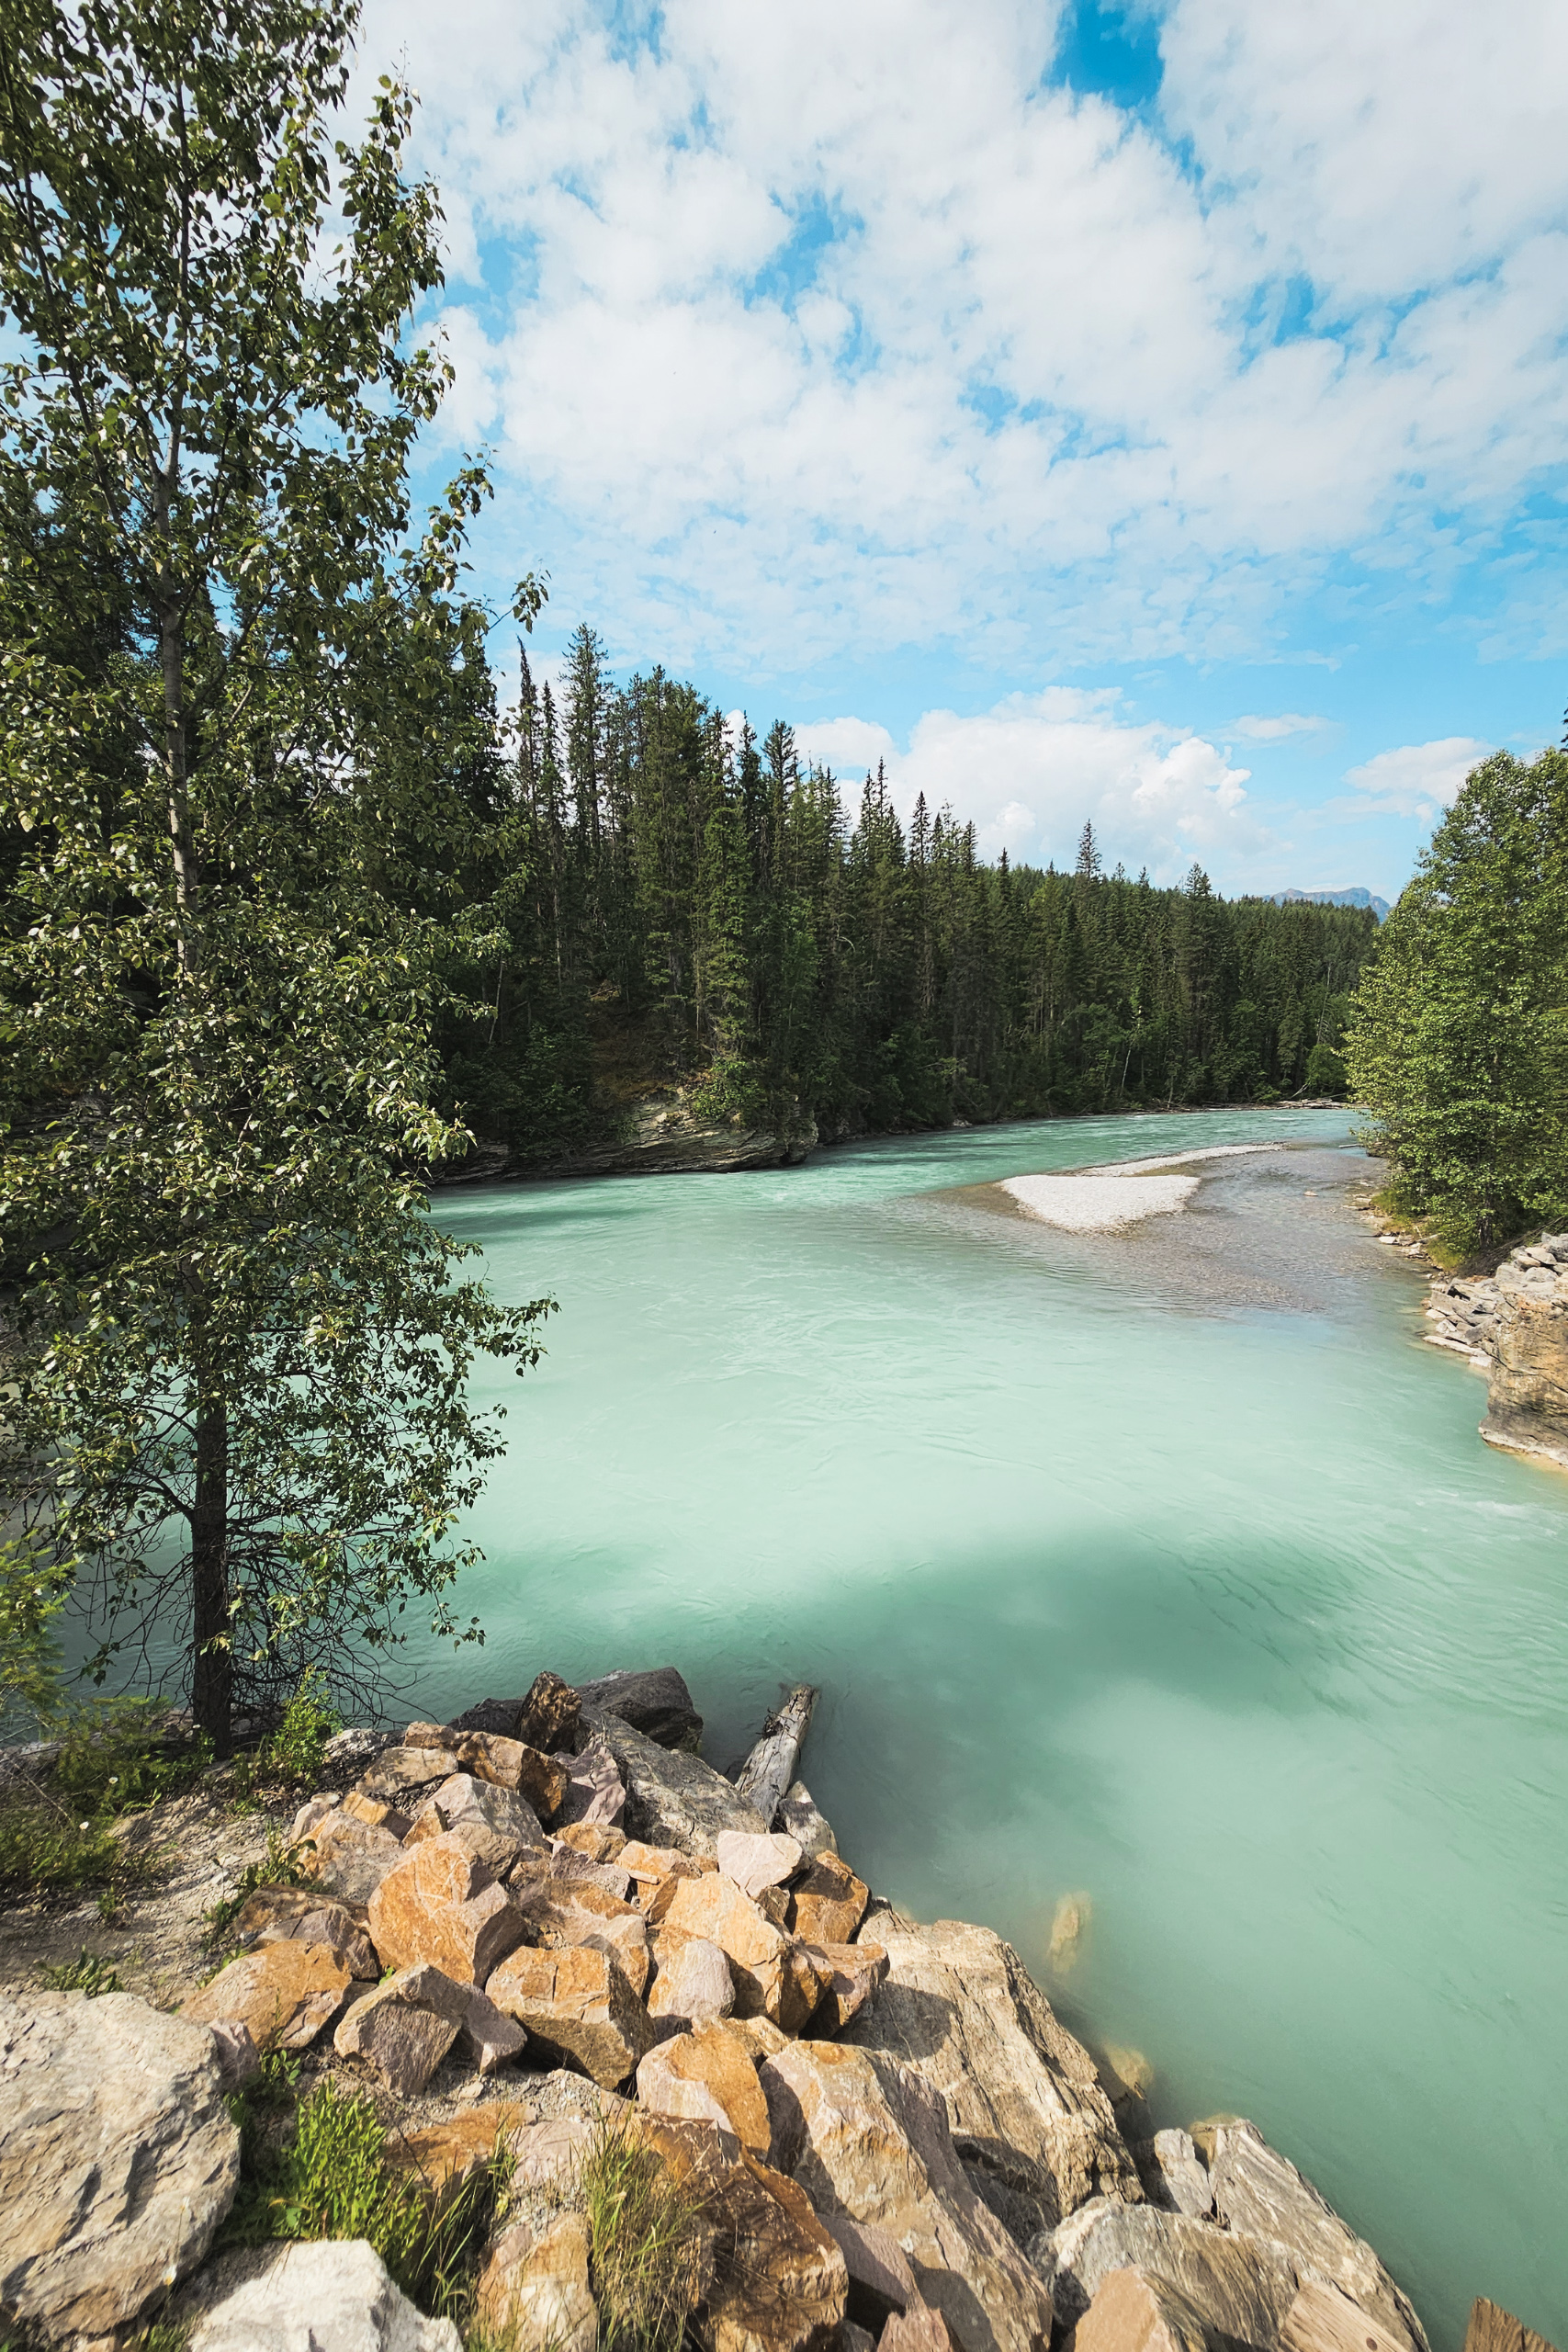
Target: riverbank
x,y
922,2154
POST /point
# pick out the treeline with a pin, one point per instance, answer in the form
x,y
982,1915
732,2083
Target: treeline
x,y
685,903
1459,1040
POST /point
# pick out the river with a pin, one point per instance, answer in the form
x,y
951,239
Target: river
x,y
1165,1569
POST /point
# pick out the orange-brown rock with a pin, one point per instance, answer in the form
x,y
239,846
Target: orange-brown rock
x,y
496,1825
299,1915
349,1858
532,2294
806,1974
691,1984
512,1764
828,1901
577,2001
404,2028
425,1735
780,2283
445,2155
397,1772
1321,2319
596,1840
1132,2312
852,1973
919,2329
714,1907
441,1908
708,2076
568,1911
376,1812
284,1991
569,1863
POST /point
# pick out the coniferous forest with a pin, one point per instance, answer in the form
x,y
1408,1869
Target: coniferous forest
x,y
685,903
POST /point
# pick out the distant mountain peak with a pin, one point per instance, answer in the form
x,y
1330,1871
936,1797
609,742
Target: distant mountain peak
x,y
1357,897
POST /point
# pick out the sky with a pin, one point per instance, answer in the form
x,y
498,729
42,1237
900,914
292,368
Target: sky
x,y
1154,416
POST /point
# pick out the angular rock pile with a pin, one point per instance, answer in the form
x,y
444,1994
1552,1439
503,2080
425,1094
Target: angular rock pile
x,y
889,2135
1514,1325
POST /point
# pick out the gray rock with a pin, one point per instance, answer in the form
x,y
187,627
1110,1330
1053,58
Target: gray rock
x,y
495,1824
1174,2174
654,1700
1028,2114
353,1749
672,1799
594,1790
334,2295
1257,2189
118,2159
799,1818
31,1760
1240,2286
404,2028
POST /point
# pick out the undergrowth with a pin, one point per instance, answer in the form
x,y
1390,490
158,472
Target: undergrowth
x,y
645,2233
292,1756
281,1865
327,2177
90,1973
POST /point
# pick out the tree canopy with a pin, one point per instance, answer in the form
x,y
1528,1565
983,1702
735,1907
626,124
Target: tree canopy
x,y
241,695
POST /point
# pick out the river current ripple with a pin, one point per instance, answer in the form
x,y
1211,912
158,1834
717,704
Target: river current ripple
x,y
1163,1568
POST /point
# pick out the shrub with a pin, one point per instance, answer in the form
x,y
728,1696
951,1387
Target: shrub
x,y
44,1851
644,2234
115,1759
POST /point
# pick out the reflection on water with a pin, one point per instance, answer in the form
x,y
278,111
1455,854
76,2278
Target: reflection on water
x,y
1158,1582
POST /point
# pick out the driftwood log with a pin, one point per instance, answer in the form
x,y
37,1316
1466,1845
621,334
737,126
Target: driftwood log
x,y
767,1772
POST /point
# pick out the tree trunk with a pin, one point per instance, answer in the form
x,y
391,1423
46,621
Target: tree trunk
x,y
212,1659
771,1767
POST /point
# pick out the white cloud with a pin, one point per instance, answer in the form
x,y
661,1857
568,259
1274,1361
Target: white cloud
x,y
1419,779
1030,772
1024,389
1279,729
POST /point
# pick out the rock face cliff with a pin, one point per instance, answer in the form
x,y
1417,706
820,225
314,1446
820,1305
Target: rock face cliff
x,y
1515,1327
663,1136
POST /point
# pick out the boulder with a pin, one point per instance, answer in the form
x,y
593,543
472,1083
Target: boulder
x,y
596,1841
850,1974
1029,2117
377,1814
299,1914
867,2138
708,2076
692,1982
594,1791
654,1701
714,1907
577,2002
799,1818
1322,2320
828,1903
1259,2190
494,1825
881,2281
327,2295
512,1764
352,1749
398,1772
569,1863
1174,2174
404,2028
486,2037
755,1862
672,1799
499,1715
1239,2286
533,2292
282,1994
239,2061
548,1718
568,1911
1491,2329
348,1858
549,2154
1132,2312
1526,1395
442,1907
117,2158
919,2329
780,2282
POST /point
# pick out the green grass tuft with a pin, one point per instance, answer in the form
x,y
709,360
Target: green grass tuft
x,y
645,2234
89,1974
281,1865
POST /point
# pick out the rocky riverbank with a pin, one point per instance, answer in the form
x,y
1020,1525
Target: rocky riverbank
x,y
548,1927
1513,1325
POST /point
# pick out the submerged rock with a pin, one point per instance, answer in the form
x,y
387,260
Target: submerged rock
x,y
117,2158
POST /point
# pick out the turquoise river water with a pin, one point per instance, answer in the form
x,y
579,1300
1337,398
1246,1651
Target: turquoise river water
x,y
1165,1569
